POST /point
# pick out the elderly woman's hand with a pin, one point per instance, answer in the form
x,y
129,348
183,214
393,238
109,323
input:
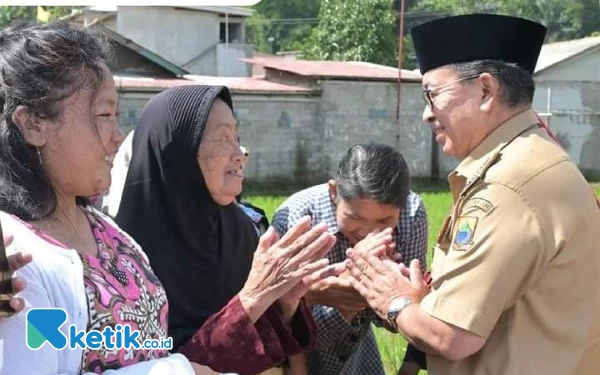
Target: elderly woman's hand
x,y
15,262
281,264
325,287
288,304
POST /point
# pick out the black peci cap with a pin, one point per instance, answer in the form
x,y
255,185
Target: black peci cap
x,y
474,37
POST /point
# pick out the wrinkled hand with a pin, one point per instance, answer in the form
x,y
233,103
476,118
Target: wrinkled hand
x,y
379,281
379,243
15,262
280,264
337,292
290,301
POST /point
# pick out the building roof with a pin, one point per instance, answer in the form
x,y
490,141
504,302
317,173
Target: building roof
x,y
149,84
232,11
347,70
146,53
251,84
238,85
553,54
111,9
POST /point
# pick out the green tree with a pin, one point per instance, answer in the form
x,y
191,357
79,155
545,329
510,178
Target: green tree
x,y
413,15
588,15
14,14
358,30
565,19
278,25
58,12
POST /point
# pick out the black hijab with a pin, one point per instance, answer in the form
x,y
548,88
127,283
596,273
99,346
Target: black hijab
x,y
201,251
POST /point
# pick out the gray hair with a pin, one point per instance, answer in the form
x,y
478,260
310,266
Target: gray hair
x,y
373,171
517,85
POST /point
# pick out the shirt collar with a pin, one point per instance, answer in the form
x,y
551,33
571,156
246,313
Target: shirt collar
x,y
470,167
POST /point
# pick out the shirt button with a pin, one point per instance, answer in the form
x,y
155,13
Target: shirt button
x,y
353,337
343,358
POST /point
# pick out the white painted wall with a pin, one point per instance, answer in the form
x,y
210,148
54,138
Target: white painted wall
x,y
228,60
575,108
583,68
178,35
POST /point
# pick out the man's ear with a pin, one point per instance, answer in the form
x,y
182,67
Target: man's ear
x,y
32,127
491,91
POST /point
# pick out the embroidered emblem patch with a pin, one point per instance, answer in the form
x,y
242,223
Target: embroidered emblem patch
x,y
466,230
479,203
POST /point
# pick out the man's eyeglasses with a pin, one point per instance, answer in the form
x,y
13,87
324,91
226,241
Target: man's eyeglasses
x,y
427,98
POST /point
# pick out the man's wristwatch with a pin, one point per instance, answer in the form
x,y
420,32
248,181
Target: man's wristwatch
x,y
396,307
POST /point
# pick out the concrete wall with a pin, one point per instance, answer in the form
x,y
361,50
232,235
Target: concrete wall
x,y
284,137
575,109
228,60
302,138
356,112
571,93
187,38
178,35
282,133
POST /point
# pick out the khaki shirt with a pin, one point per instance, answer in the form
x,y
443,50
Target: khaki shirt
x,y
518,260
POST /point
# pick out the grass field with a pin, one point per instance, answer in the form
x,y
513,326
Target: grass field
x,y
438,202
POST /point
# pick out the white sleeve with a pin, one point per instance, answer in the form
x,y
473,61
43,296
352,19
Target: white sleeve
x,y
15,355
175,364
17,358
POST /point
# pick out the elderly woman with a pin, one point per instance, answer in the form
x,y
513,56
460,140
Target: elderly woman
x,y
233,306
58,136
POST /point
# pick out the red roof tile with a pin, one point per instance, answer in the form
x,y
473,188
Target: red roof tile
x,y
148,83
247,84
334,69
235,84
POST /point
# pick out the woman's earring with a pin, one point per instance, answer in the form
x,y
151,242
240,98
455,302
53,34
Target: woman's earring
x,y
39,155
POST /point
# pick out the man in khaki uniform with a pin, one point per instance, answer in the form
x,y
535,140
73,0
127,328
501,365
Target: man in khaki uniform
x,y
516,270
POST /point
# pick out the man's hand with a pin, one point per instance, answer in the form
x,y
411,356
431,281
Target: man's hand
x,y
337,292
380,280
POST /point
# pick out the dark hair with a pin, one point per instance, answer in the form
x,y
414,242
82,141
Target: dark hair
x,y
373,171
40,65
517,85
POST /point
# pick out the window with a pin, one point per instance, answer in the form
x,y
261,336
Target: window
x,y
235,33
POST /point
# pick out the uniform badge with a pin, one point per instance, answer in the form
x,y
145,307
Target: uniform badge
x,y
465,231
479,203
